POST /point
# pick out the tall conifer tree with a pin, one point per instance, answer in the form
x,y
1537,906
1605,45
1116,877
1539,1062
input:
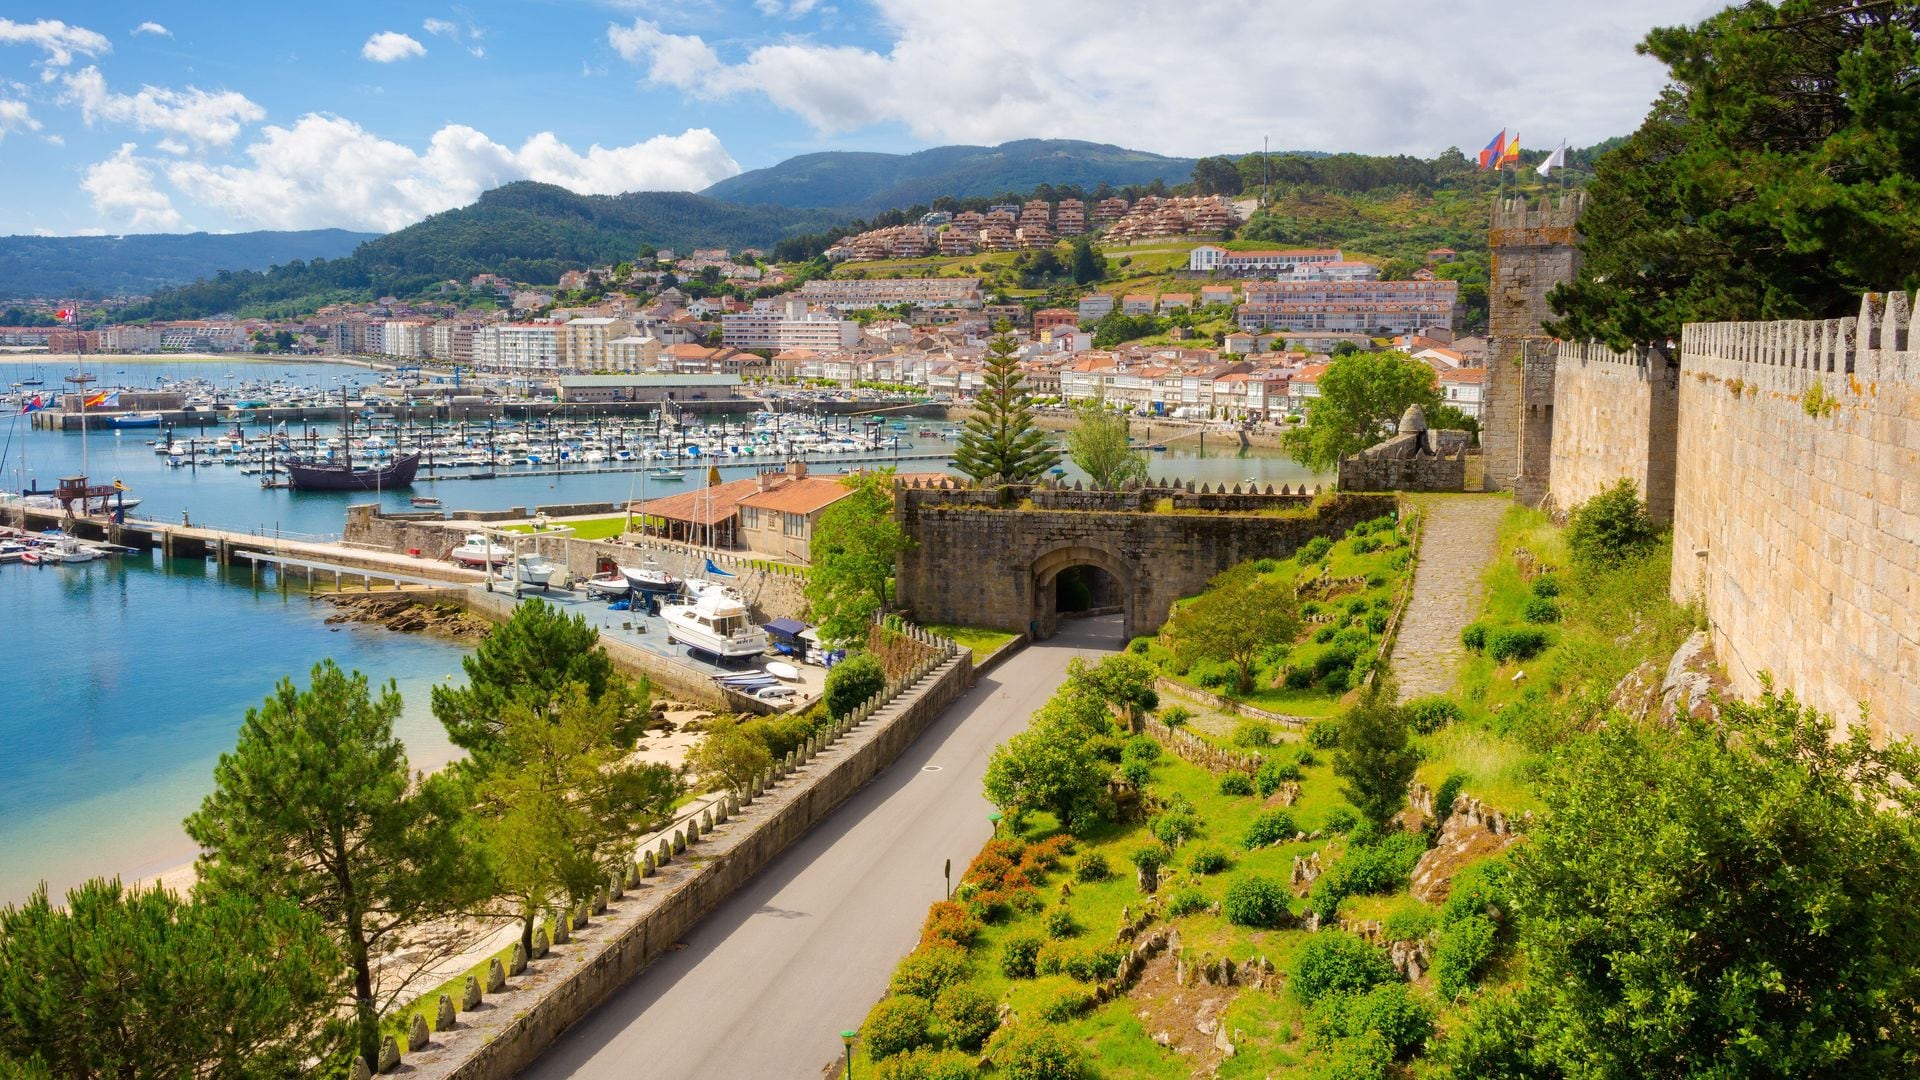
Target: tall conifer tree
x,y
1000,439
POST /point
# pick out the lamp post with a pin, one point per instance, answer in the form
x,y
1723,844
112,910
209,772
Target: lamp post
x,y
993,819
846,1039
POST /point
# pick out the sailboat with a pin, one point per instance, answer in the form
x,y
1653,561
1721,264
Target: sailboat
x,y
327,476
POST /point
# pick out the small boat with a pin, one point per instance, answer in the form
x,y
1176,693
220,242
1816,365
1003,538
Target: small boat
x,y
536,570
477,550
664,473
780,669
649,578
609,586
699,587
130,420
424,500
716,625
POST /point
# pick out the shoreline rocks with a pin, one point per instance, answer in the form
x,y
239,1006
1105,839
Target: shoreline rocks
x,y
406,614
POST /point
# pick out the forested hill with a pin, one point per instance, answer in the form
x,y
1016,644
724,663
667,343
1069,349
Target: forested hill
x,y
525,231
97,266
863,183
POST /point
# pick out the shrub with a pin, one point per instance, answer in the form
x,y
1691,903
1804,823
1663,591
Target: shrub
x,y
1338,681
898,1024
1480,889
1064,1003
1236,783
1342,819
1390,1011
1038,1052
1610,528
1252,900
1274,772
949,923
1448,791
1324,634
1140,748
1474,637
1427,715
1297,678
1516,643
1092,866
1313,550
1213,674
1546,586
1017,956
853,681
1087,963
967,1015
1541,610
1176,826
1380,867
927,971
1139,647
1465,949
1324,733
1377,622
1207,861
1175,716
1251,733
1336,962
1365,545
926,1063
1409,923
1366,1057
1271,826
1150,858
1137,773
1187,901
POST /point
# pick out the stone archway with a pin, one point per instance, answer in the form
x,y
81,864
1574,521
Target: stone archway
x,y
1111,584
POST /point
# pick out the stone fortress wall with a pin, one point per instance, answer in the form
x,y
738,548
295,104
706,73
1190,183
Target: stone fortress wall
x,y
1797,506
1533,248
1615,416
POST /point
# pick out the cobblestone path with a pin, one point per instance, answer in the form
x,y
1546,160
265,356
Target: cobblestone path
x,y
1458,543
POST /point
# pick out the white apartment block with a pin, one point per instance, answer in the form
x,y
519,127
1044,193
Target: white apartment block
x,y
519,348
453,342
586,344
406,339
1211,258
849,294
790,326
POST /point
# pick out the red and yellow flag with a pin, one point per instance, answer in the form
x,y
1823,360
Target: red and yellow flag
x,y
1510,155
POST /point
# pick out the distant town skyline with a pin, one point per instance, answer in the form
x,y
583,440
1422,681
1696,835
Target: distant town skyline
x,y
143,118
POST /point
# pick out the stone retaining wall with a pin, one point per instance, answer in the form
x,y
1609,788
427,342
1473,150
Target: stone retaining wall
x,y
1615,416
703,868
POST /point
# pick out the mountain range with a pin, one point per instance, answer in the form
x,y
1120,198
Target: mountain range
x,y
92,266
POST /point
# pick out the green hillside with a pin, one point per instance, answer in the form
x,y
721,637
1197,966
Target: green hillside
x,y
98,266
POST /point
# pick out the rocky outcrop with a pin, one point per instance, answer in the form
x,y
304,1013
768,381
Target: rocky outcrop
x,y
404,614
1471,832
1692,681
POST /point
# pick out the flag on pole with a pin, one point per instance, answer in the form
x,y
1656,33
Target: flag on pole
x,y
67,315
1557,159
1490,157
33,404
1511,155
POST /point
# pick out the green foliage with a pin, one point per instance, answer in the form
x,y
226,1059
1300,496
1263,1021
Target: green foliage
x,y
851,682
1427,715
1341,819
967,1016
1253,900
1188,901
1017,956
1774,178
1409,923
1063,1003
1361,397
1390,1010
897,1024
727,756
999,439
1060,924
316,806
1336,962
1207,860
1516,643
1448,791
1117,328
532,658
854,547
1272,773
1730,898
1253,733
1268,827
928,970
1087,265
1324,733
1086,962
128,983
1054,765
1541,610
1236,783
1239,614
1466,948
1546,586
1149,858
1369,866
1037,1052
926,1063
1375,759
1313,550
1098,444
1174,715
1140,748
1090,867
1367,1056
1610,528
1474,636
1175,825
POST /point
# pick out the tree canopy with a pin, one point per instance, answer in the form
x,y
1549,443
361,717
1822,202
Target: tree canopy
x,y
1776,178
1242,612
854,548
1098,445
1376,759
999,439
532,656
1361,396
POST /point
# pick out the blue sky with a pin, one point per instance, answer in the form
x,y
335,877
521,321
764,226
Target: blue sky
x,y
155,117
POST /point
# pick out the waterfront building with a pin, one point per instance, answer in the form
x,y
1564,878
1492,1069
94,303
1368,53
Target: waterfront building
x,y
518,348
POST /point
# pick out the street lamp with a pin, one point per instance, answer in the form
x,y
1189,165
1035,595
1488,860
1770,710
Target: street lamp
x,y
993,819
846,1039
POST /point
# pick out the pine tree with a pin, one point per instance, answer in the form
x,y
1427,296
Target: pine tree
x,y
534,656
1000,440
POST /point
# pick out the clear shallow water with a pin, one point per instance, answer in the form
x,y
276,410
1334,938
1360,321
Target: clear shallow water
x,y
122,681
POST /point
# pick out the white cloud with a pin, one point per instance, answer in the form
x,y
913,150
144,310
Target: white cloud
x,y
442,27
388,46
454,32
123,189
54,38
328,171
791,9
1319,78
15,116
153,28
204,117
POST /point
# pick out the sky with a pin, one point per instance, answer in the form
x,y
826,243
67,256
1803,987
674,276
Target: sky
x,y
136,117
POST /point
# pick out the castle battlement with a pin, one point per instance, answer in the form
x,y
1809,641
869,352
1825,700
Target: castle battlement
x,y
1521,212
1645,361
1880,345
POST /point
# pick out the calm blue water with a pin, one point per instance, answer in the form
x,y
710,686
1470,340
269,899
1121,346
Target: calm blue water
x,y
123,680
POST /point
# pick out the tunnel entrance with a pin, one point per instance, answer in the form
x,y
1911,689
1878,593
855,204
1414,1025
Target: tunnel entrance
x,y
1077,582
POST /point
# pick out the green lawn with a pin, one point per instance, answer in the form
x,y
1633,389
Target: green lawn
x,y
599,528
981,641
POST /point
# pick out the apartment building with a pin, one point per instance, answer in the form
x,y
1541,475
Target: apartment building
x,y
1464,389
1052,318
518,348
586,343
1212,258
1094,306
406,339
1070,217
787,326
452,342
1391,307
849,294
635,352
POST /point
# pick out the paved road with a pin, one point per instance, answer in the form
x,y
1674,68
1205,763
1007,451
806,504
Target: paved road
x,y
769,979
1459,543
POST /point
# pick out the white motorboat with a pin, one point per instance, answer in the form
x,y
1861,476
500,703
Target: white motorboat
x,y
609,586
477,550
535,570
699,587
716,625
649,578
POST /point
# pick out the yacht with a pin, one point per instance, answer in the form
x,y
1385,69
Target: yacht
x,y
477,550
649,578
535,570
714,624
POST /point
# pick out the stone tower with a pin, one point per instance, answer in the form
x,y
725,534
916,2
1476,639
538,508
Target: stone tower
x,y
1535,247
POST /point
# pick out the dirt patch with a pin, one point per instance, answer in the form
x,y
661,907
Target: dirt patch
x,y
1186,1019
405,615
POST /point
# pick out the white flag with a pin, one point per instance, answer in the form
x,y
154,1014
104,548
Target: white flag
x,y
1558,157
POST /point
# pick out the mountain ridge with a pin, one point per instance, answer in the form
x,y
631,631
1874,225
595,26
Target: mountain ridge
x,y
139,263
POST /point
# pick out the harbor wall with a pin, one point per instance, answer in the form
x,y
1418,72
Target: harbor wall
x,y
1797,506
513,1027
1616,416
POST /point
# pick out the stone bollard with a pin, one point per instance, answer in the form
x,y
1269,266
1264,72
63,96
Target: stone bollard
x,y
496,976
417,1037
693,829
562,928
470,994
360,1070
633,875
706,821
786,763
580,917
517,960
616,886
600,901
721,811
539,942
679,841
443,1017
389,1054
646,864
665,854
